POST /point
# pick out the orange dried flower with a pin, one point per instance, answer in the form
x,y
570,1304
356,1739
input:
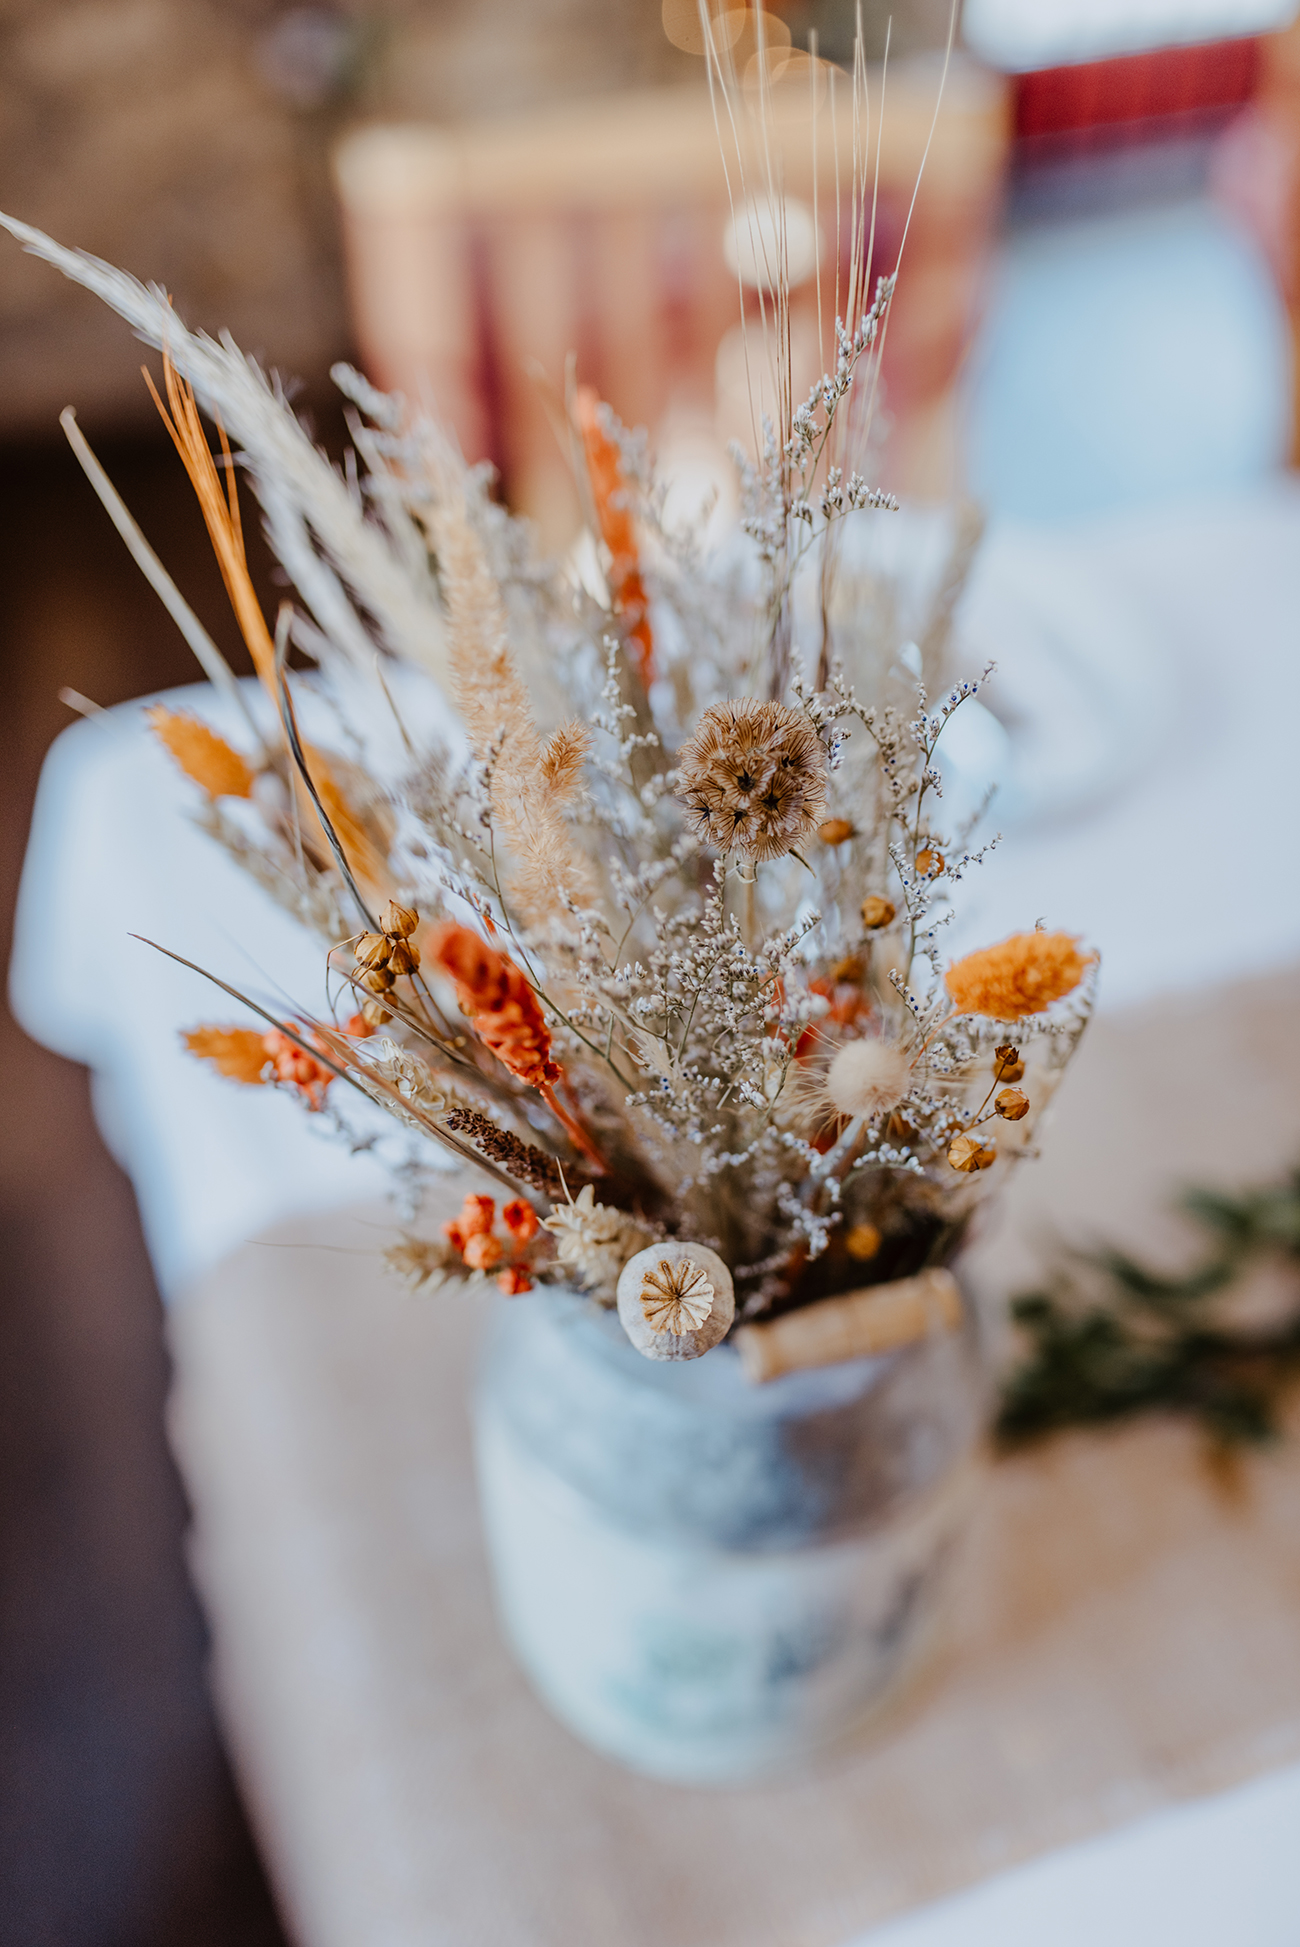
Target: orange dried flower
x,y
929,862
477,1216
497,1000
862,1241
1011,1104
515,1280
609,491
201,754
294,1065
520,1219
236,1053
454,1235
836,831
482,1251
1019,976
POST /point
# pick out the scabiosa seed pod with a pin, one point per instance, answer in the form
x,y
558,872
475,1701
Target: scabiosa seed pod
x,y
753,778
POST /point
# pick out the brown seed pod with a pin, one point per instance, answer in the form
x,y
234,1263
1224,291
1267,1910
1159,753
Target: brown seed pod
x,y
399,922
377,980
877,912
1007,1065
968,1153
374,1015
835,831
403,958
862,1241
1011,1104
371,950
929,862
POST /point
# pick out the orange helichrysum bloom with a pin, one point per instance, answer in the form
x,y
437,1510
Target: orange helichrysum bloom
x,y
515,1280
617,530
1019,976
497,1000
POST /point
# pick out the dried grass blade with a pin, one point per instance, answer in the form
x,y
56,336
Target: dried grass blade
x,y
290,722
209,657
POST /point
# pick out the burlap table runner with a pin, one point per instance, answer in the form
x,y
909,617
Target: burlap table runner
x,y
1127,1630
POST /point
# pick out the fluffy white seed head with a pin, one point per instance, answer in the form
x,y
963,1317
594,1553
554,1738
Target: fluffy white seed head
x,y
867,1077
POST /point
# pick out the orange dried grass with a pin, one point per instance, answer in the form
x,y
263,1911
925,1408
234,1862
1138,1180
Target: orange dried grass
x,y
219,505
609,492
237,1053
201,753
220,509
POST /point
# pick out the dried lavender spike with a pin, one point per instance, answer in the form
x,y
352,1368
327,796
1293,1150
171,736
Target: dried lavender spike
x,y
524,1161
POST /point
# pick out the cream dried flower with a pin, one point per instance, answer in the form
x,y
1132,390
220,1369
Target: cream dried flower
x,y
867,1077
408,1076
859,1080
753,778
594,1242
675,1297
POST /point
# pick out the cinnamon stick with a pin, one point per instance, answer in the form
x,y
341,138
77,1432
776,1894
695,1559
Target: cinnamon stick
x,y
855,1325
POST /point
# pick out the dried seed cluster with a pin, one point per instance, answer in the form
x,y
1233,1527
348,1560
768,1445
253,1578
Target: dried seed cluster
x,y
384,957
753,778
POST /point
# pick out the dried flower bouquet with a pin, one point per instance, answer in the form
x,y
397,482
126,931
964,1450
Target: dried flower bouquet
x,y
630,878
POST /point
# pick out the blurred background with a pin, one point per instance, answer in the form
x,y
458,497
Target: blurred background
x,y
1098,314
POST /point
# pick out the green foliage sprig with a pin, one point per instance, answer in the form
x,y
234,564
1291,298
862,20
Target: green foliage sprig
x,y
1110,1339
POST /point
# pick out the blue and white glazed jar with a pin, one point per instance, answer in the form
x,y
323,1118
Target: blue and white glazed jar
x,y
710,1579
